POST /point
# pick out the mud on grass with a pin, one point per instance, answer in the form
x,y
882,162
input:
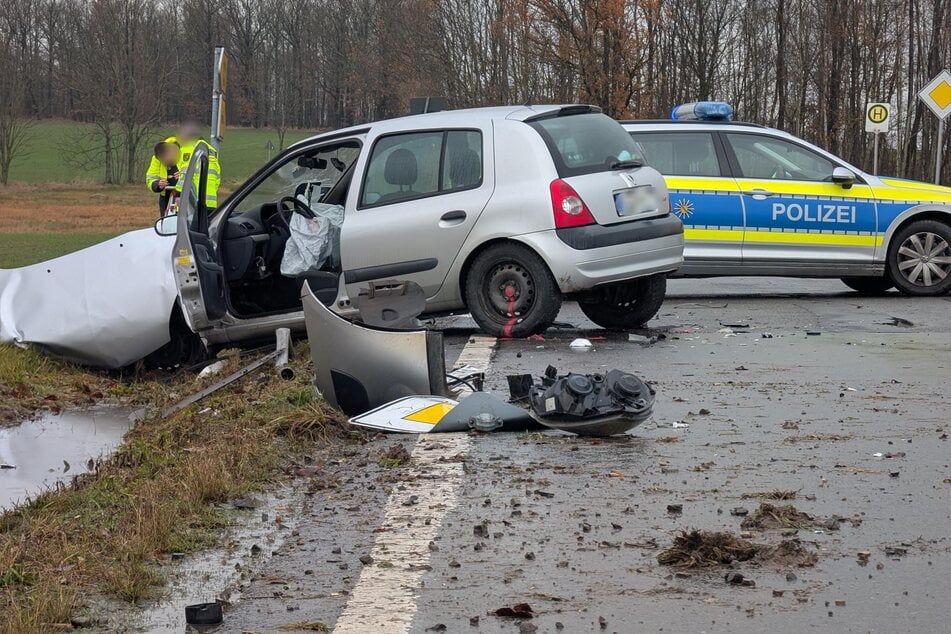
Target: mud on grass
x,y
31,382
160,493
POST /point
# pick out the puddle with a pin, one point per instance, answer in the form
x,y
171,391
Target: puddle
x,y
38,454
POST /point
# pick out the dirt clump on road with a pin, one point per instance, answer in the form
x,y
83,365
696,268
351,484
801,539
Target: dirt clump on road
x,y
787,553
698,549
695,549
768,517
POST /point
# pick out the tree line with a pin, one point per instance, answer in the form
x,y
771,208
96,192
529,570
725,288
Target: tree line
x,y
806,66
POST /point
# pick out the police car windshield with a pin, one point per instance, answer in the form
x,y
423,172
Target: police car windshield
x,y
587,143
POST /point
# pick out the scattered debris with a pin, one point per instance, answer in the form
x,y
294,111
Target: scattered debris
x,y
581,345
395,456
203,614
772,495
816,438
739,511
675,508
305,626
517,611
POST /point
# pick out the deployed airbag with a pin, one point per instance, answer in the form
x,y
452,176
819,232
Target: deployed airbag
x,y
106,306
312,239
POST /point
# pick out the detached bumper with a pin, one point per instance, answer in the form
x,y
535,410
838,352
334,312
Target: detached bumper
x,y
581,258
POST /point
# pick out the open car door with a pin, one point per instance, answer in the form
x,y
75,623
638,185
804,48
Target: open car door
x,y
198,270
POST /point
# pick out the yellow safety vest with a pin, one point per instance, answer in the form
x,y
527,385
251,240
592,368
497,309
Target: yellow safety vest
x,y
157,171
214,170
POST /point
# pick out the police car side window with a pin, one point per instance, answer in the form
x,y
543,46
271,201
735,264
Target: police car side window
x,y
771,158
679,153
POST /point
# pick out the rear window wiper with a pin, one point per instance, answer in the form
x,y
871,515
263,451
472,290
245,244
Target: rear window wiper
x,y
626,164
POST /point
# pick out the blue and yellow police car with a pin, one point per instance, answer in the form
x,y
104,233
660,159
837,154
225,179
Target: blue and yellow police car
x,y
758,201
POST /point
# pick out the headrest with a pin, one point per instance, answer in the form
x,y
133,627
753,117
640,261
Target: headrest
x,y
400,168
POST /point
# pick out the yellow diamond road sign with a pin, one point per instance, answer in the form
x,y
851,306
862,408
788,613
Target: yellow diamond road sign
x,y
937,94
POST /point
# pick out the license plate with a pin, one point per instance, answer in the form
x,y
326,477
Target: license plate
x,y
635,201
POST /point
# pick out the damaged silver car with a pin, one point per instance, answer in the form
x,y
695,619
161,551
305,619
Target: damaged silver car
x,y
500,212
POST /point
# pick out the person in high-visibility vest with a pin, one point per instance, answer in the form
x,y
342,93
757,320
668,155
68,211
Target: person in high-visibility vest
x,y
186,140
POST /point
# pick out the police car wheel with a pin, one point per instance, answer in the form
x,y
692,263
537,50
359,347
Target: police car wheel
x,y
625,305
510,292
919,258
869,285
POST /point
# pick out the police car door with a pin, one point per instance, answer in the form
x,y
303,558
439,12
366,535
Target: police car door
x,y
198,271
798,221
416,196
702,194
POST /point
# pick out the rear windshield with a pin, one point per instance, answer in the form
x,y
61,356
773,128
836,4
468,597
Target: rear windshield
x,y
586,143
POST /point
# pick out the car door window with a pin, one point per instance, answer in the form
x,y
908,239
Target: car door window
x,y
420,164
310,174
771,158
679,153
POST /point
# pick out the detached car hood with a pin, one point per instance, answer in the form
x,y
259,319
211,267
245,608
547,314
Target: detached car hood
x,y
105,306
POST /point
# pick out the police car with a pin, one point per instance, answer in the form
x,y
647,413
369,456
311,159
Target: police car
x,y
758,201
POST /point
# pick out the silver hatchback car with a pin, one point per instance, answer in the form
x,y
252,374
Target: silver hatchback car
x,y
501,212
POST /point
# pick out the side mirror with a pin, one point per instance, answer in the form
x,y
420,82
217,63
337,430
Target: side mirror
x,y
843,177
167,225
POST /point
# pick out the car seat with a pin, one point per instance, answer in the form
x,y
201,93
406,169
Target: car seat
x,y
400,170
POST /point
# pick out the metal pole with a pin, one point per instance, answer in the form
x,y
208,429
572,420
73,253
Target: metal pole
x,y
937,152
875,156
216,102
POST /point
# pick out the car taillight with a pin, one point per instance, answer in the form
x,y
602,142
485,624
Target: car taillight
x,y
569,209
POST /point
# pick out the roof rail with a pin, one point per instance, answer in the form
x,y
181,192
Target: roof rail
x,y
692,122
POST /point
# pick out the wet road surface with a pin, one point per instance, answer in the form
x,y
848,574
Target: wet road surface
x,y
850,420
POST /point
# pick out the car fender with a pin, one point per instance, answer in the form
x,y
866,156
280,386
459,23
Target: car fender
x,y
917,210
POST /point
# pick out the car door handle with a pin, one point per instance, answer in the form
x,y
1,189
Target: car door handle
x,y
452,218
759,194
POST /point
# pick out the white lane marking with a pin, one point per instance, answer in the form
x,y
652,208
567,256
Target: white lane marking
x,y
384,597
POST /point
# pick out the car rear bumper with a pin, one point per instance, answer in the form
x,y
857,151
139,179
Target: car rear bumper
x,y
661,251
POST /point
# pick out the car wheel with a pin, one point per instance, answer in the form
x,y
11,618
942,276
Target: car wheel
x,y
919,258
184,350
625,305
869,285
510,291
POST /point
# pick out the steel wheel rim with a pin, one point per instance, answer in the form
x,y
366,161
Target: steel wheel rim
x,y
924,259
510,291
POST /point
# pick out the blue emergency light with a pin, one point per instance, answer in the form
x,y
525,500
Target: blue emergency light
x,y
702,111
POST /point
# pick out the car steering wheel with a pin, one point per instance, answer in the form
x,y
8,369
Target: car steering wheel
x,y
298,207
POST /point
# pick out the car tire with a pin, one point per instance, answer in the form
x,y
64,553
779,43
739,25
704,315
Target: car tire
x,y
918,256
625,305
870,286
510,292
184,350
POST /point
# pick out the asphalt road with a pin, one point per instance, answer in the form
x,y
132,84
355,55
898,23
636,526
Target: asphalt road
x,y
851,420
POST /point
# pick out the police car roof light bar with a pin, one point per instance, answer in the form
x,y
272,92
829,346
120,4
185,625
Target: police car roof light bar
x,y
702,111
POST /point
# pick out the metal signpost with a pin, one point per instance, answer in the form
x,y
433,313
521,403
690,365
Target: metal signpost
x,y
876,122
219,108
937,96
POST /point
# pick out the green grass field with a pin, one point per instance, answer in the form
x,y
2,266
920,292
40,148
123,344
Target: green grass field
x,y
21,249
242,153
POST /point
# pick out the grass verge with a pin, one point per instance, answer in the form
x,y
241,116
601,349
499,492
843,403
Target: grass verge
x,y
158,494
